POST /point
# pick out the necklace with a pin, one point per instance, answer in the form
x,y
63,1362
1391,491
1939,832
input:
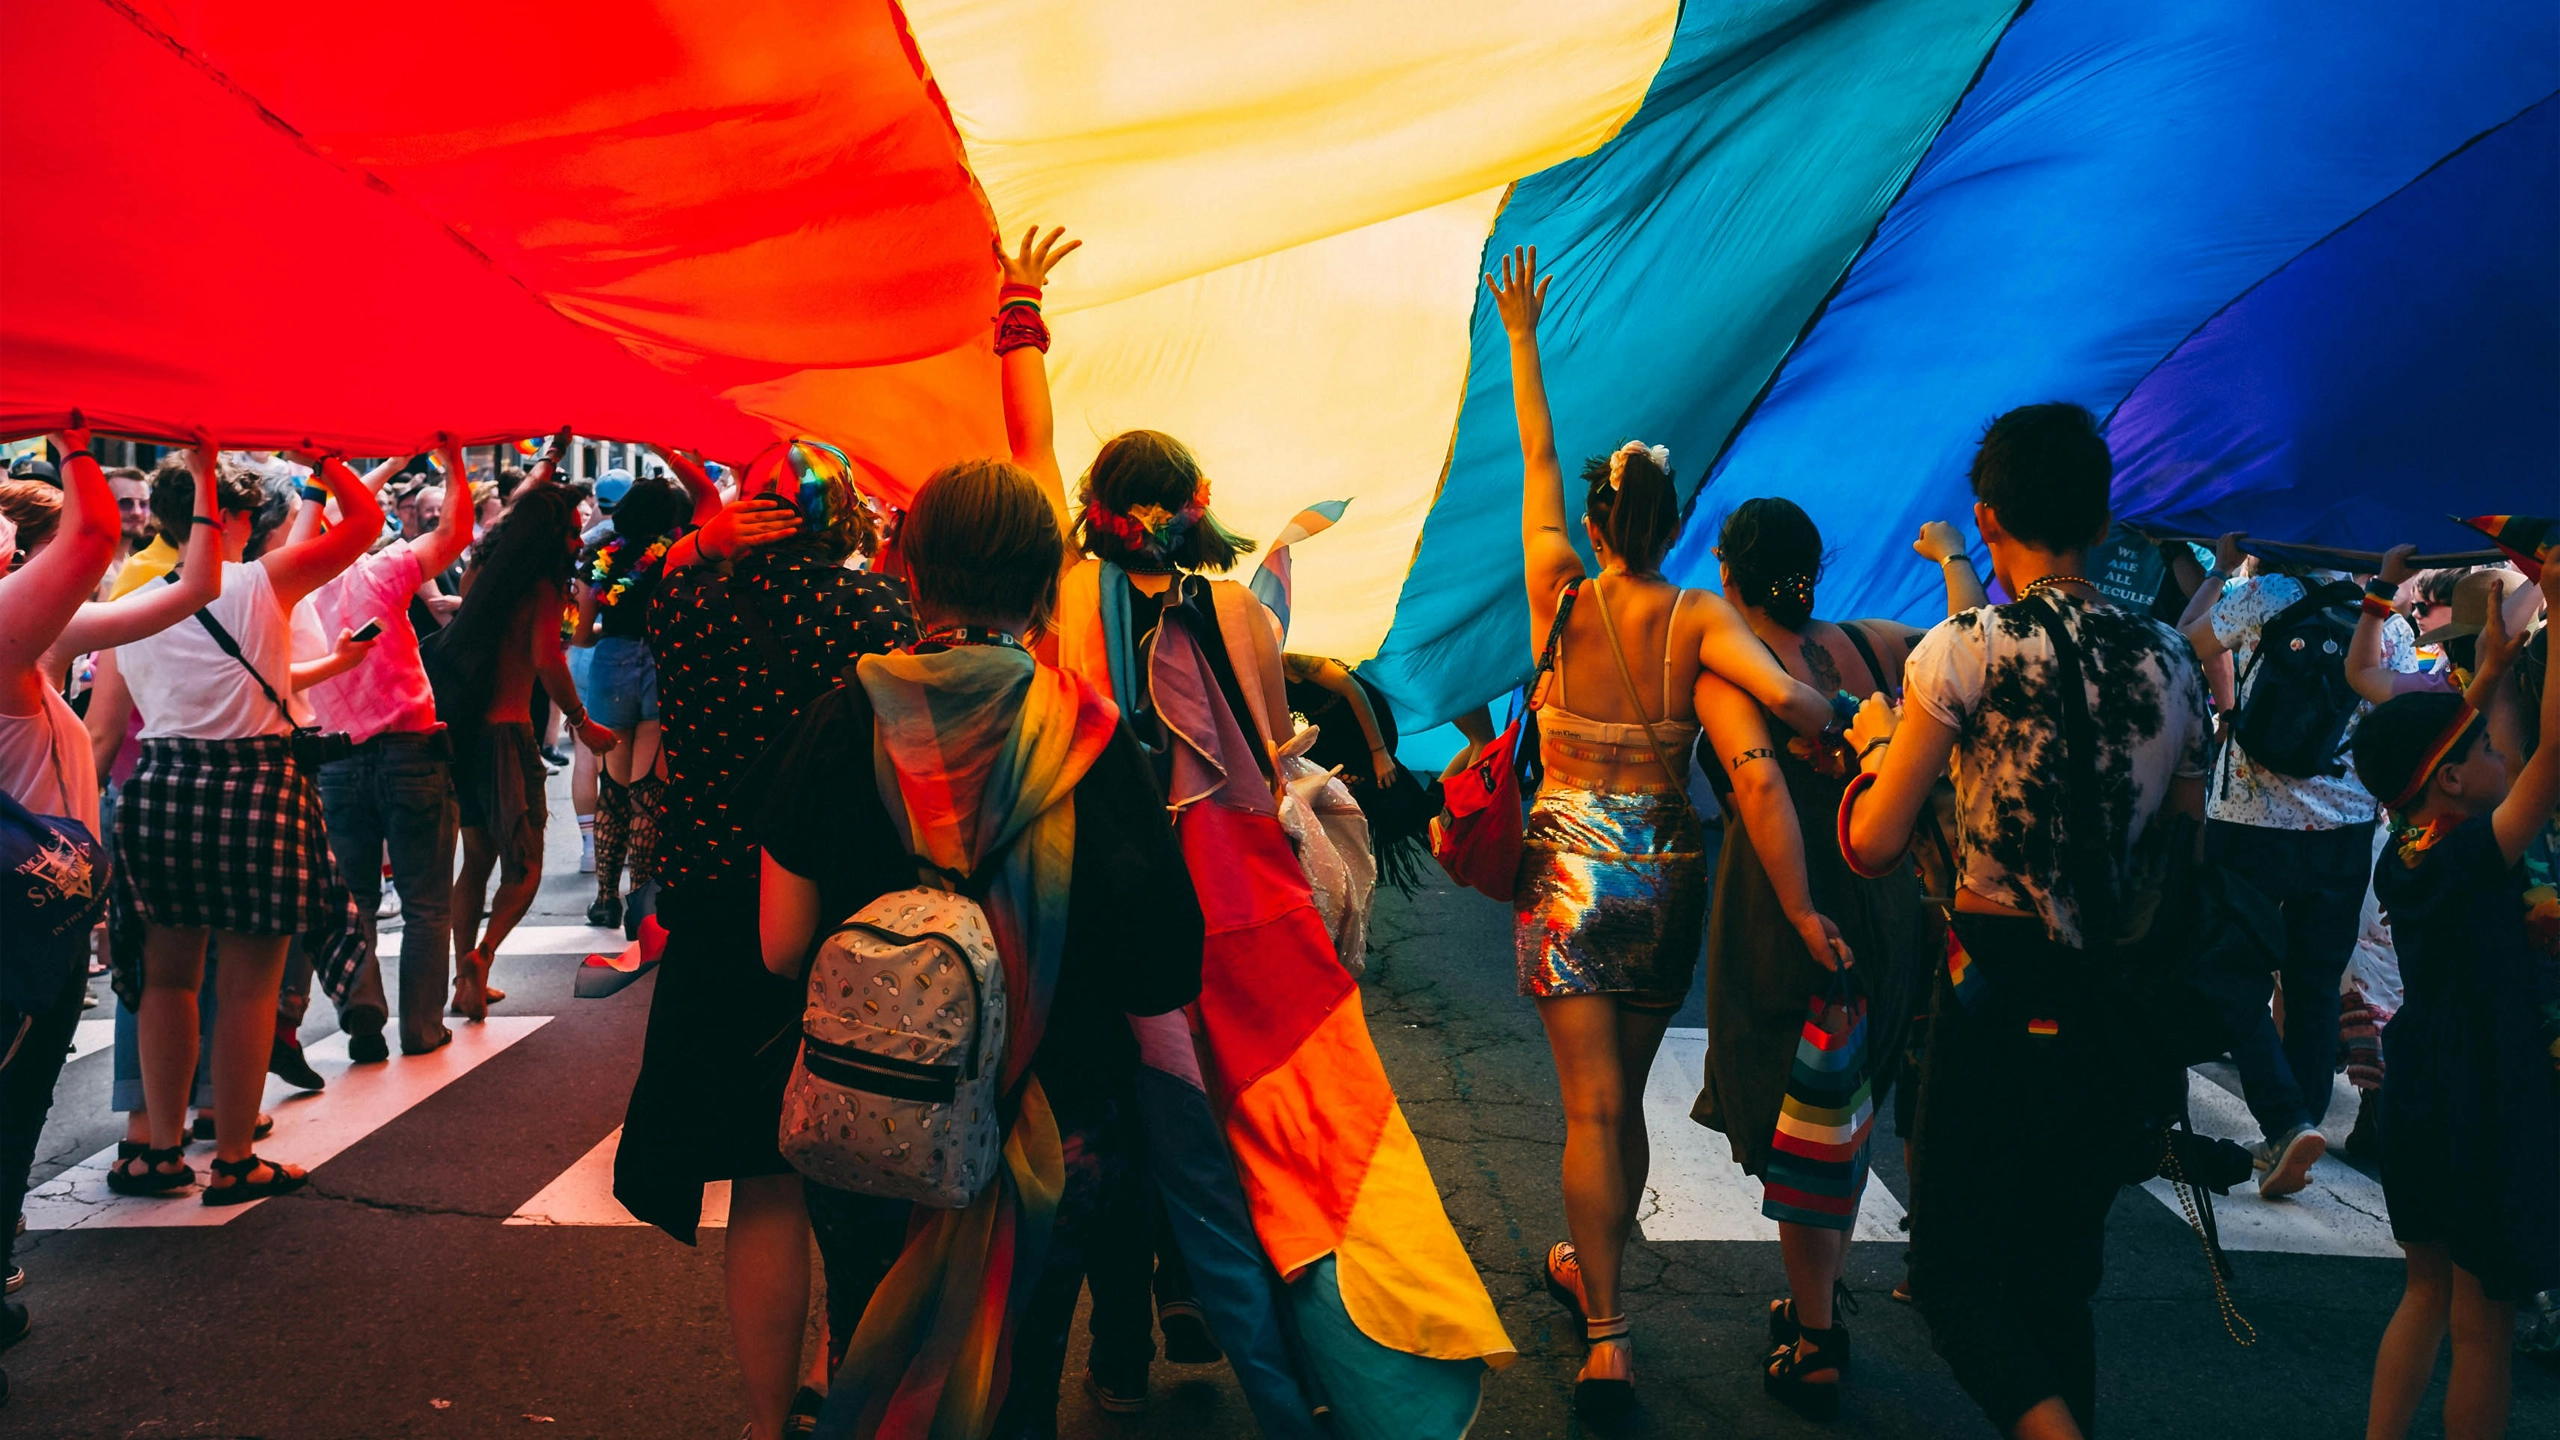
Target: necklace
x,y
2035,585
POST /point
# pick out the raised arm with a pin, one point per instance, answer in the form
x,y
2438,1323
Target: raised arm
x,y
697,482
309,516
1943,545
1022,352
451,534
154,608
298,569
39,599
2367,672
1741,742
2527,808
1727,647
547,468
1520,297
2196,621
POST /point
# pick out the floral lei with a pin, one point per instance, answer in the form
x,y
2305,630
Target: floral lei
x,y
1150,529
610,586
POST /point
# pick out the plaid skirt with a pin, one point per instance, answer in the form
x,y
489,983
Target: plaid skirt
x,y
227,835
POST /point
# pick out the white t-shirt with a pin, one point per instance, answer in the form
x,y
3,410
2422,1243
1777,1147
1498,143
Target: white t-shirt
x,y
1989,673
45,763
182,683
2243,792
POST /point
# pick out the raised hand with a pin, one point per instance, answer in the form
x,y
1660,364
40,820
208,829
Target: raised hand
x,y
449,450
1520,295
1038,255
1876,721
745,523
1939,542
2227,553
2395,565
72,439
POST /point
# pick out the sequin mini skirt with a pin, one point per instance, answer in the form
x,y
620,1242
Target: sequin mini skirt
x,y
1613,896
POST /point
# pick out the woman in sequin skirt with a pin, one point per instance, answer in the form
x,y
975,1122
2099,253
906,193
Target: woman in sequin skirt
x,y
1612,893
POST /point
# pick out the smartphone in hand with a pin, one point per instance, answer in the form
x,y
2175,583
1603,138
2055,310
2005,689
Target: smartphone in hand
x,y
368,630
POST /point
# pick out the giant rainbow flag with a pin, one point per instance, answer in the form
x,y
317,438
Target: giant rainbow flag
x,y
2296,252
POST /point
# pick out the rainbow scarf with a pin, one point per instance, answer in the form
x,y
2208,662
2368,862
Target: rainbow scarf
x,y
981,748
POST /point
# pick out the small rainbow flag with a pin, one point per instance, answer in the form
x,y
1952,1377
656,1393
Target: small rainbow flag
x,y
2528,540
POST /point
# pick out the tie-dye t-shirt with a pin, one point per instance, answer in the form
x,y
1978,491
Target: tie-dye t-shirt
x,y
1989,672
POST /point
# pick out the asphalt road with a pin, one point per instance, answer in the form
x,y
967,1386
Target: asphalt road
x,y
454,1271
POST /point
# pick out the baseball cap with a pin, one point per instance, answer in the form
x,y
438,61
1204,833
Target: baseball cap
x,y
35,467
614,484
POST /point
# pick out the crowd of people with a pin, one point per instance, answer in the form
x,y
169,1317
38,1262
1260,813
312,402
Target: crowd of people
x,y
1995,872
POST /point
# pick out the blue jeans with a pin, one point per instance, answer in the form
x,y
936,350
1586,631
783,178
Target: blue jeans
x,y
396,791
620,686
2318,879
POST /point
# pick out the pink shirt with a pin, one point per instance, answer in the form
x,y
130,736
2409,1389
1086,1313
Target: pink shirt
x,y
388,692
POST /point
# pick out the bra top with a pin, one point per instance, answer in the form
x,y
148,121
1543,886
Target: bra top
x,y
1559,721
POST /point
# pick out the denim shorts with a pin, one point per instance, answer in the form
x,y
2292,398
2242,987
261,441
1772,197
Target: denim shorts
x,y
620,686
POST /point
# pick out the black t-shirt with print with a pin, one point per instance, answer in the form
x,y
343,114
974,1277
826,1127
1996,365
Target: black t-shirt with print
x,y
1133,921
720,708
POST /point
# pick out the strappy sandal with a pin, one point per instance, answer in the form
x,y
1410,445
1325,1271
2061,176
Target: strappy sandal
x,y
1785,1329
1788,1377
1564,1277
150,1179
1605,1397
242,1189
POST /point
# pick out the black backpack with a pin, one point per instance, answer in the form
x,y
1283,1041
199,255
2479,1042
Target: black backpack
x,y
2293,719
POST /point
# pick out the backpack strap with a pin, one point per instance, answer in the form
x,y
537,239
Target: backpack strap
x,y
2093,890
1866,652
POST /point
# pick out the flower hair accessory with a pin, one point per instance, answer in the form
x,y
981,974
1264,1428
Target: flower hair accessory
x,y
1151,530
1659,454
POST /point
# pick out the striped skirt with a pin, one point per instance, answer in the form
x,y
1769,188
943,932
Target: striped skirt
x,y
227,835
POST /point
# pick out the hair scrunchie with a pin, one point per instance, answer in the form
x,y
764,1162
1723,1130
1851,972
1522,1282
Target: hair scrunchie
x,y
1659,454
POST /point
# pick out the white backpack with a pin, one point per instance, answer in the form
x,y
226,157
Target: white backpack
x,y
902,1052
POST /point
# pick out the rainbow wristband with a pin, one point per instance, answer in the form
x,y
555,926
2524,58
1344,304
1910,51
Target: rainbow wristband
x,y
2377,607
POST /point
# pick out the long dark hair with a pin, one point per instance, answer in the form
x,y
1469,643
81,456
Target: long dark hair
x,y
527,547
1774,552
1639,516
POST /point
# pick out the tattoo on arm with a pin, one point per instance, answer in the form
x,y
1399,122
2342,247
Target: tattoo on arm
x,y
1550,529
1817,662
1747,756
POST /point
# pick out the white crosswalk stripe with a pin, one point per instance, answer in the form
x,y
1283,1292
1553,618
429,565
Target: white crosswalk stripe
x,y
310,1129
583,1195
1697,1192
2339,1213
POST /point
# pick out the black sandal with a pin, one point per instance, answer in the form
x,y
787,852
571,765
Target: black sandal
x,y
151,1179
1786,1381
242,1189
1785,1329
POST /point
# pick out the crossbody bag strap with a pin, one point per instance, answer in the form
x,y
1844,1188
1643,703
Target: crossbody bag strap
x,y
2093,887
1555,643
1609,626
231,648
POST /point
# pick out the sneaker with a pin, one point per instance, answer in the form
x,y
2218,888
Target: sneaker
x,y
286,1063
390,906
2287,1162
17,1280
1124,1394
1187,1340
367,1048
586,852
553,759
